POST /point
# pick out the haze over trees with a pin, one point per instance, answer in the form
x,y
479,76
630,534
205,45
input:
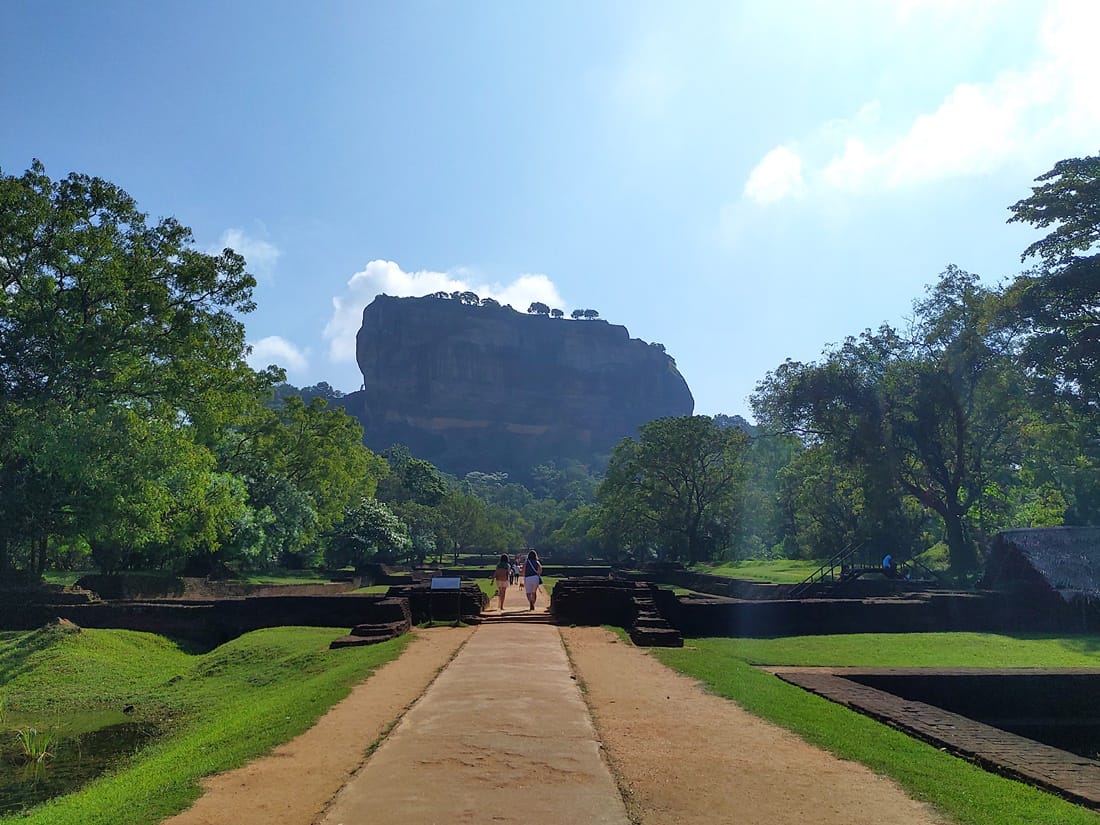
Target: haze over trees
x,y
132,432
134,435
979,413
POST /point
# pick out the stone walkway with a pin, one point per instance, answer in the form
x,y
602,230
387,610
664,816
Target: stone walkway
x,y
1000,751
502,735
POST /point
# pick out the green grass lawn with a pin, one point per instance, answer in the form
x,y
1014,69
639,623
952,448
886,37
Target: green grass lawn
x,y
373,589
779,571
65,577
221,708
966,793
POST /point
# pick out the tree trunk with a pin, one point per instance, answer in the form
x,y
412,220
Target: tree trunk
x,y
961,548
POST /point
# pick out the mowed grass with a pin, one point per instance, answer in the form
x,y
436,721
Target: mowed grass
x,y
967,794
779,571
221,708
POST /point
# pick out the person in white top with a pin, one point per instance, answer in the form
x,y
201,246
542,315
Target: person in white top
x,y
532,576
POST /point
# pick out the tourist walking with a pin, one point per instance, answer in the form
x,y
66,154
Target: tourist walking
x,y
502,576
532,576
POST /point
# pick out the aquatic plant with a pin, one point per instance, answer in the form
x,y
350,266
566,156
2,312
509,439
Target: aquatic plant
x,y
36,744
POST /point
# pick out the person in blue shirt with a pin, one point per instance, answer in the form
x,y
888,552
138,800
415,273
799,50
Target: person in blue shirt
x,y
889,569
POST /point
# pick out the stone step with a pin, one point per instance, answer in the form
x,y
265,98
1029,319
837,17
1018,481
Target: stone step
x,y
518,618
656,637
394,628
371,634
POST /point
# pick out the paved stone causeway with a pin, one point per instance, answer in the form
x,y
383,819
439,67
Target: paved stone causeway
x,y
503,735
1060,772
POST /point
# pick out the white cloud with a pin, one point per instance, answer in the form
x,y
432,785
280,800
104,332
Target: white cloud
x,y
276,350
386,277
260,255
777,176
1051,105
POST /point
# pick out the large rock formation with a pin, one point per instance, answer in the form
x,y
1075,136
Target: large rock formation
x,y
488,388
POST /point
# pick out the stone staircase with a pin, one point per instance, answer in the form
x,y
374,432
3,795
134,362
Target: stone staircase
x,y
372,634
650,628
627,604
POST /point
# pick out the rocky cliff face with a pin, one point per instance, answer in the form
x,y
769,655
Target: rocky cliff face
x,y
489,388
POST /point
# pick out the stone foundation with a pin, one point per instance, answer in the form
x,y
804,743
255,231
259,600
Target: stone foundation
x,y
426,604
215,622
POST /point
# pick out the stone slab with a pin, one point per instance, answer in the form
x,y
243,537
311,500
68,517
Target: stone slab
x,y
503,735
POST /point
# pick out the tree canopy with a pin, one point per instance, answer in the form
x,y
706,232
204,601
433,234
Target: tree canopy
x,y
675,490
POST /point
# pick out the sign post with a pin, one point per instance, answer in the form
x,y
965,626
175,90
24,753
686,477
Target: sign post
x,y
447,583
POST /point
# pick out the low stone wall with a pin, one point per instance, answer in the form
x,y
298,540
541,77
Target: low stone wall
x,y
426,604
764,591
214,622
978,612
705,583
595,602
139,587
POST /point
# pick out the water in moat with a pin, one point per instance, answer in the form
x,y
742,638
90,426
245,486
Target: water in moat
x,y
82,748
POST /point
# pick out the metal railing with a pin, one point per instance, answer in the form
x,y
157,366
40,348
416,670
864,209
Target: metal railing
x,y
833,571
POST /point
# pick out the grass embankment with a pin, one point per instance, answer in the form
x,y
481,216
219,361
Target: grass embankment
x,y
222,708
779,571
966,793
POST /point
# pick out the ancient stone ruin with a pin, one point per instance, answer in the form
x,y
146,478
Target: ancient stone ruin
x,y
488,388
1054,565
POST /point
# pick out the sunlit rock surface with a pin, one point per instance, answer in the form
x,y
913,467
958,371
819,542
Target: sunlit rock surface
x,y
489,388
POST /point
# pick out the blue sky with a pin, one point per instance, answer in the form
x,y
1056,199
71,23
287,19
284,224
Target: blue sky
x,y
742,182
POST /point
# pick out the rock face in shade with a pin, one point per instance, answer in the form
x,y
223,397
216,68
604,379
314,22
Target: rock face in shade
x,y
489,388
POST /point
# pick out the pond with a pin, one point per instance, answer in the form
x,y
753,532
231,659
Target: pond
x,y
84,746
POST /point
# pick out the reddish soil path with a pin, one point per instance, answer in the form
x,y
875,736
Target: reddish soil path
x,y
683,755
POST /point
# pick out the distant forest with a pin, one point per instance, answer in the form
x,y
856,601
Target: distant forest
x,y
133,435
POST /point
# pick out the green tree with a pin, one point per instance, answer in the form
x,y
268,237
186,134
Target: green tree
x,y
105,316
933,411
463,523
304,465
368,532
538,308
410,479
675,489
1059,300
1057,304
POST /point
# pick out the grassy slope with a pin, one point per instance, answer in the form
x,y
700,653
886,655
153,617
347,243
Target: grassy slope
x,y
780,571
226,706
966,793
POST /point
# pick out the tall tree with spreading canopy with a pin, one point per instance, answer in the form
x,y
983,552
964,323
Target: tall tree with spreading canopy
x,y
105,316
1060,298
675,489
938,411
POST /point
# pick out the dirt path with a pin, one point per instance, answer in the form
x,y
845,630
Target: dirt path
x,y
683,755
294,783
679,754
